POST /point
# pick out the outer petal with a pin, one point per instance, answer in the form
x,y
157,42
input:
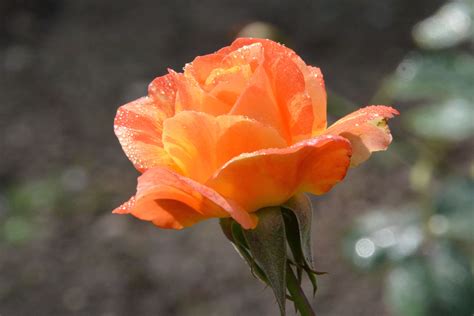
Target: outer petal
x,y
163,91
200,143
366,129
138,126
170,200
271,176
271,48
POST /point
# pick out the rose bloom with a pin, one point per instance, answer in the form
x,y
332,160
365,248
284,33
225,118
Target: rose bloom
x,y
240,129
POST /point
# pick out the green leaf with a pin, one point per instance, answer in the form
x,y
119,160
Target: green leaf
x,y
267,244
300,206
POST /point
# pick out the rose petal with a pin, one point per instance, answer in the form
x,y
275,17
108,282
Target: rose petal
x,y
271,48
299,89
224,76
258,102
228,84
313,77
366,129
317,91
200,143
191,97
163,91
252,55
170,200
138,126
202,66
295,103
271,176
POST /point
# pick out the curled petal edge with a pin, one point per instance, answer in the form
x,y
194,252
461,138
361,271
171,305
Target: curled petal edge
x,y
161,184
366,129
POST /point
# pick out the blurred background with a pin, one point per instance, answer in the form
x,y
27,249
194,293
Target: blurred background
x,y
396,237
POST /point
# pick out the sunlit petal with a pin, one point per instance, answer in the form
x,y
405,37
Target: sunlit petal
x,y
138,126
317,91
366,129
163,91
271,176
191,97
170,200
200,143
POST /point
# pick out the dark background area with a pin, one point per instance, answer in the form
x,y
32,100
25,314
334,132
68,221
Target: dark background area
x,y
66,66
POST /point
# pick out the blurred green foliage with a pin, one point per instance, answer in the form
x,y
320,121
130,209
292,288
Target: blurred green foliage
x,y
21,205
27,207
455,209
433,75
426,246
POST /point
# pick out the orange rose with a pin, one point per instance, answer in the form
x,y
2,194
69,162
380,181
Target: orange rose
x,y
240,129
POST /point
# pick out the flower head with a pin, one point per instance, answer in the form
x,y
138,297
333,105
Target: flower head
x,y
240,129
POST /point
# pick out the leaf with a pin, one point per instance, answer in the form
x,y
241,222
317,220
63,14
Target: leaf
x,y
267,246
300,206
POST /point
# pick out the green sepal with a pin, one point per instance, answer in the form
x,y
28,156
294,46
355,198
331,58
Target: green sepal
x,y
299,219
267,244
300,301
226,226
264,249
233,232
312,278
292,235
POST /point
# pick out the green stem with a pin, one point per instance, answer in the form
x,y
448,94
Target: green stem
x,y
300,300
